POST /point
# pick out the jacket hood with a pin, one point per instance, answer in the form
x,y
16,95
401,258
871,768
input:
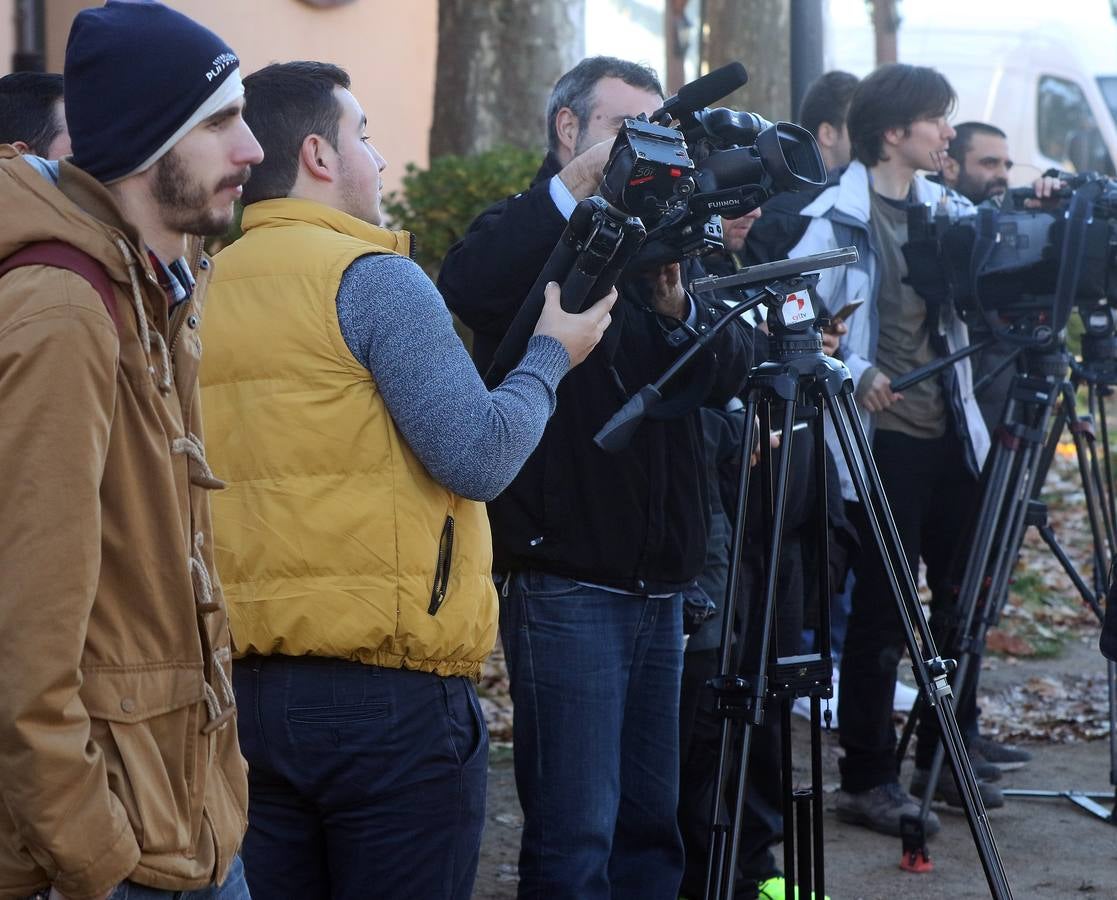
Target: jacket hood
x,y
79,211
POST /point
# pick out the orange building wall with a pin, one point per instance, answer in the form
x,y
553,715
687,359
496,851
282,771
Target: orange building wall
x,y
389,50
7,35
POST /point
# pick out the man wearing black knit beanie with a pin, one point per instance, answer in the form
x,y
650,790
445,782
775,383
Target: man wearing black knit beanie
x,y
119,763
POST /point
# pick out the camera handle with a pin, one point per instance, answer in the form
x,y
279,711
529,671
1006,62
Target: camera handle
x,y
934,368
597,244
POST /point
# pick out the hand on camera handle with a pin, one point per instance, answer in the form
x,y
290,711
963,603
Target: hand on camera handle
x,y
580,332
1045,189
582,175
879,395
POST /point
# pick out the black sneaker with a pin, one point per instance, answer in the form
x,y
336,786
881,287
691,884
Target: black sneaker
x,y
982,767
881,809
947,790
1005,757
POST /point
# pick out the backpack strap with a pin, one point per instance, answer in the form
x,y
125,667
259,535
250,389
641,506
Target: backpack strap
x,y
60,255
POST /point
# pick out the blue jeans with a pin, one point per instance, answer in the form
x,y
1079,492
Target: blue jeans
x,y
232,888
362,781
595,686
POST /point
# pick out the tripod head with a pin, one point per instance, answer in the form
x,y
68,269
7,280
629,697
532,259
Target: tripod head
x,y
784,289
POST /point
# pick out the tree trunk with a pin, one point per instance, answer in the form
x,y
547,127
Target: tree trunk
x,y
497,63
676,39
886,23
756,33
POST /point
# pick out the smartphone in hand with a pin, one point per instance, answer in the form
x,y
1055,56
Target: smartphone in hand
x,y
848,310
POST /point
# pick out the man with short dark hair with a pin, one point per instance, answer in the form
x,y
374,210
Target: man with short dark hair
x,y
357,439
594,548
978,162
823,113
929,443
119,763
33,114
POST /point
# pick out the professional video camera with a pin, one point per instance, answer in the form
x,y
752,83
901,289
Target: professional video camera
x,y
1018,272
662,188
715,162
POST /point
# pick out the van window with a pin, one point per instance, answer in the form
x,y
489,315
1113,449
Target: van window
x,y
1108,85
1066,129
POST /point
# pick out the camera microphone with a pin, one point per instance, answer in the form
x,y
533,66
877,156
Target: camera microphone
x,y
703,91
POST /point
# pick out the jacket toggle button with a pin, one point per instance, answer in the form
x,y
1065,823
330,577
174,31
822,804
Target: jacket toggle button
x,y
192,322
128,705
641,584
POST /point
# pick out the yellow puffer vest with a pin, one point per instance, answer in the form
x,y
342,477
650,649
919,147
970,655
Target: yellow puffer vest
x,y
332,538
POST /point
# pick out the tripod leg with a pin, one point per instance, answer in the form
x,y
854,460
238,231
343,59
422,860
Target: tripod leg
x,y
1082,433
767,634
727,668
995,487
1096,407
1111,685
1109,493
930,671
1088,596
1006,489
816,799
790,812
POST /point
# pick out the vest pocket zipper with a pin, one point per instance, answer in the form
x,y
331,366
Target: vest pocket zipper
x,y
442,566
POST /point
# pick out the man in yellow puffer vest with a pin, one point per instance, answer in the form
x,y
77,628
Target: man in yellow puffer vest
x,y
358,443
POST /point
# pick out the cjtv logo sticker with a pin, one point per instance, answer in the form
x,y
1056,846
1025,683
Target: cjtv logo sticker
x,y
797,308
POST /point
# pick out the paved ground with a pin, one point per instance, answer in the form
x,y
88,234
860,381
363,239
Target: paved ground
x,y
1050,847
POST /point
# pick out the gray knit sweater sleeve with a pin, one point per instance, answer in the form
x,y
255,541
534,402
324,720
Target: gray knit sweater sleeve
x,y
471,440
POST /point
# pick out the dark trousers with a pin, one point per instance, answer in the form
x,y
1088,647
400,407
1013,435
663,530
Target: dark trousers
x,y
364,782
700,739
931,493
232,888
594,678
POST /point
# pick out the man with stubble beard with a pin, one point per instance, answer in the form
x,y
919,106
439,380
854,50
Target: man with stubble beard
x,y
119,760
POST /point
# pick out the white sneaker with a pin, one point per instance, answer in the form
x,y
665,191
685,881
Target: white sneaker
x,y
904,697
802,706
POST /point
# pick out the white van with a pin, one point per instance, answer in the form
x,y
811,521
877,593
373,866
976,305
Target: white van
x,y
1046,77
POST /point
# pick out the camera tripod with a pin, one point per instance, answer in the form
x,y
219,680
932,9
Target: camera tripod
x,y
800,374
1041,404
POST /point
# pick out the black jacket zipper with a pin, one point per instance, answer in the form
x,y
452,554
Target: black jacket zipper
x,y
442,566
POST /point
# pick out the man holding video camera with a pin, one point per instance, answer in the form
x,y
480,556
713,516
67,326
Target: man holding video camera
x,y
593,549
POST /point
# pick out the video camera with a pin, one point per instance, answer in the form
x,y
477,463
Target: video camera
x,y
662,188
716,162
1018,272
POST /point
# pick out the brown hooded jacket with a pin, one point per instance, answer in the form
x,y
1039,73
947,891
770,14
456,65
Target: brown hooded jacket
x,y
118,745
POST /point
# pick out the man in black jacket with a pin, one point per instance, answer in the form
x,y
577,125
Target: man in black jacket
x,y
597,546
